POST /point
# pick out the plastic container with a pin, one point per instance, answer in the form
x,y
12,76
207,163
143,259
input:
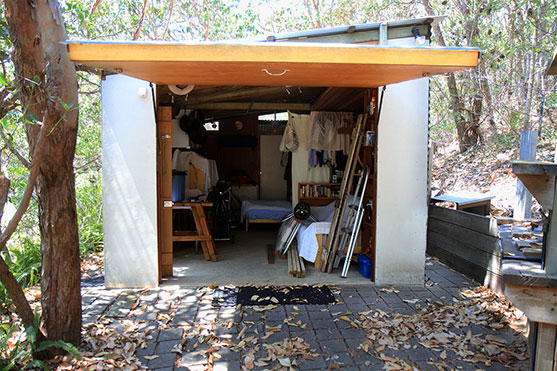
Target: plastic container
x,y
178,186
364,265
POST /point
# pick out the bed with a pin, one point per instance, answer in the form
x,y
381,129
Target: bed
x,y
264,211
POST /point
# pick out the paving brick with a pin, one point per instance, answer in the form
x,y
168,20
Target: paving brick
x,y
228,355
352,333
322,324
277,336
227,366
320,315
329,333
341,359
162,361
353,299
358,308
170,334
315,308
122,305
333,346
149,350
316,364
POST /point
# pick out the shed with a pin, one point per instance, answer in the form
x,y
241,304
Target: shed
x,y
336,69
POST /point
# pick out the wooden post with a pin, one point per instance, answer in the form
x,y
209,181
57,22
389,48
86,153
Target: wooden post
x,y
523,202
164,175
551,245
545,347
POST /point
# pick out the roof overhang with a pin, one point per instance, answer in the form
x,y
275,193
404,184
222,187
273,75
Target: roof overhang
x,y
271,64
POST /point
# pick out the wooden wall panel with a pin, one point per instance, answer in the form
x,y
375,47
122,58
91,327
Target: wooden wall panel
x,y
466,242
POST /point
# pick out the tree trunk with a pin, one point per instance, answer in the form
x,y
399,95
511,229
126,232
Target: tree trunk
x,y
467,136
37,32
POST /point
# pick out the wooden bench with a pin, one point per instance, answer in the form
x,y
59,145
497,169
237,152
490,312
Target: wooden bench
x,y
477,203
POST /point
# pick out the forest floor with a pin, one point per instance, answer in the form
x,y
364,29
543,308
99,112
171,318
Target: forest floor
x,y
483,169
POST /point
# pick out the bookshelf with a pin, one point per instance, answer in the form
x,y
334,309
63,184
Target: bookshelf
x,y
318,194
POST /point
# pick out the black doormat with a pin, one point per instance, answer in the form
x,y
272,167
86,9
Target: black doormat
x,y
272,295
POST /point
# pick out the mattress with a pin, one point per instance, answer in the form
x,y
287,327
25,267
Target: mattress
x,y
265,209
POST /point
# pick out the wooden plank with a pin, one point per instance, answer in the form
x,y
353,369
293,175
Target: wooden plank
x,y
455,232
124,52
164,189
464,219
465,252
270,254
538,303
545,347
191,238
271,64
302,267
534,168
256,106
200,234
527,273
542,188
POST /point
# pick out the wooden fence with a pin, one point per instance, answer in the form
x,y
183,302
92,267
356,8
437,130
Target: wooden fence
x,y
466,242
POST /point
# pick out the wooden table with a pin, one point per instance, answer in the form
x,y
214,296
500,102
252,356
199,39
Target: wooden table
x,y
201,232
477,203
534,292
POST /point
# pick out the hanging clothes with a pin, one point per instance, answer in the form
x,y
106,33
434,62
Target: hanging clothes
x,y
204,174
325,137
301,172
289,141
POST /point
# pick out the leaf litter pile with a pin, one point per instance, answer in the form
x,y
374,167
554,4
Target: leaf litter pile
x,y
450,331
442,329
272,295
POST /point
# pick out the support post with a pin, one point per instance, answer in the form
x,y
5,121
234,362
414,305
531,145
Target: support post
x,y
164,175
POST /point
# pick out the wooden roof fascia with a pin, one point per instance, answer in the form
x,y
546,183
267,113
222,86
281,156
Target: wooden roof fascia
x,y
84,52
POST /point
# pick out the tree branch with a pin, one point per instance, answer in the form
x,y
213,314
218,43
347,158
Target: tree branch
x,y
141,20
14,150
168,20
31,181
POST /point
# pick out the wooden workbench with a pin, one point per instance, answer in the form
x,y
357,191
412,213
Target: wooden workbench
x,y
201,232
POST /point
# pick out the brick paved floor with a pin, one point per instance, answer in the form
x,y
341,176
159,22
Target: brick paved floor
x,y
178,320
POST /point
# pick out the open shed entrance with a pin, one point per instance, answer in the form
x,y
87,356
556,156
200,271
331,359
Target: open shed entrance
x,y
241,142
138,214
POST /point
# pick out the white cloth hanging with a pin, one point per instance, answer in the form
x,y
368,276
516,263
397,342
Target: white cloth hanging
x,y
182,159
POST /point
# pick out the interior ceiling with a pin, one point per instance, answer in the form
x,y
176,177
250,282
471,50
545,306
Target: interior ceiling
x,y
217,102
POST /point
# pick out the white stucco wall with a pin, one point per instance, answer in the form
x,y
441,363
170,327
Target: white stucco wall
x,y
402,182
129,183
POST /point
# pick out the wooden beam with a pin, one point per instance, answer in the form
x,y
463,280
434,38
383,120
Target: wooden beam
x,y
240,93
251,106
545,347
534,167
272,64
164,175
538,303
271,52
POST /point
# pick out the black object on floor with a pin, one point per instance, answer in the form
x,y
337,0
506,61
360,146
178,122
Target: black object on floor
x,y
266,295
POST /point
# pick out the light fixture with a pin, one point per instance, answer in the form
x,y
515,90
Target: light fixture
x,y
419,39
